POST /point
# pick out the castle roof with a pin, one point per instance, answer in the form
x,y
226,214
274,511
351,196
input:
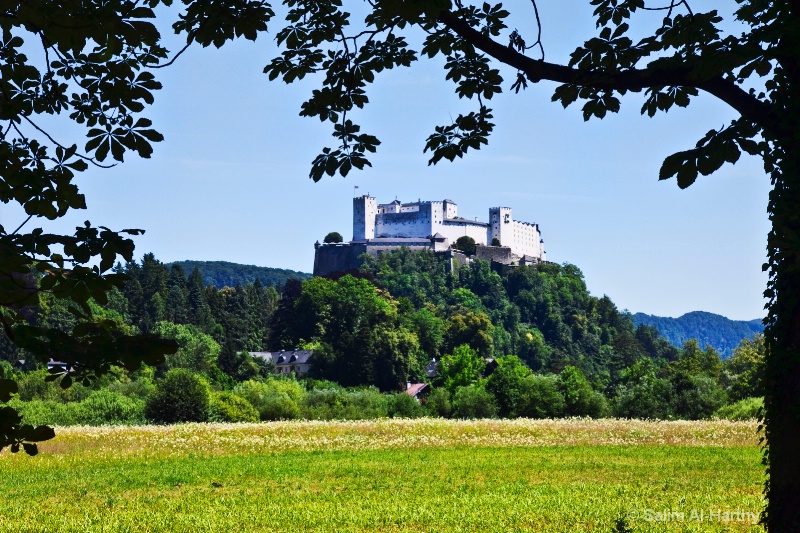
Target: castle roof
x,y
391,240
460,220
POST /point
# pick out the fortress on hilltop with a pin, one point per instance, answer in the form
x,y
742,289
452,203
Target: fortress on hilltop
x,y
429,225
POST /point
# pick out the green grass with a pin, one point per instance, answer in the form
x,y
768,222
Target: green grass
x,y
259,478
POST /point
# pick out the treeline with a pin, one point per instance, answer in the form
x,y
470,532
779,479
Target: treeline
x,y
526,341
718,331
226,274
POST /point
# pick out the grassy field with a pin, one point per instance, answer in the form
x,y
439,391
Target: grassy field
x,y
389,475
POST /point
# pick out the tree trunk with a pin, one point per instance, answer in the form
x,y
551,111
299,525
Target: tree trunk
x,y
782,376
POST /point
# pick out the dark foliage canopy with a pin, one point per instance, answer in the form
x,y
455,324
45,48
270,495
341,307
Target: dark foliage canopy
x,y
466,244
333,237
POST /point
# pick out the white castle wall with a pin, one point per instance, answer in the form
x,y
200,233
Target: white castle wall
x,y
523,238
364,211
526,239
424,219
500,226
414,221
453,229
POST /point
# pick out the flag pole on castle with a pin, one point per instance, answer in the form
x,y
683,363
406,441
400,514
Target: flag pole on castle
x,y
354,190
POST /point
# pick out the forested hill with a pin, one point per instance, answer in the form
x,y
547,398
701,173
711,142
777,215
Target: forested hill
x,y
225,274
722,333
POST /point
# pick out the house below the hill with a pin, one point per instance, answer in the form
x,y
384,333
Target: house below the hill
x,y
297,362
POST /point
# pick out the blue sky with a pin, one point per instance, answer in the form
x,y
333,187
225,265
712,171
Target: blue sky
x,y
230,182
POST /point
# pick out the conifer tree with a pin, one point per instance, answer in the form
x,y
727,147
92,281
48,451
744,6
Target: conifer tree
x,y
199,310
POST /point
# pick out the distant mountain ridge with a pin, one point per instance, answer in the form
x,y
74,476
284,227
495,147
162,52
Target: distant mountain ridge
x,y
226,274
708,328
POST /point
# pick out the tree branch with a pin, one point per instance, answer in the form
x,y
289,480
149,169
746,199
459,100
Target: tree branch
x,y
625,80
171,61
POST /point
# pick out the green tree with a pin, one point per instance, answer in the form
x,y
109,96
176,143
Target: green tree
x,y
238,365
460,368
403,405
430,328
541,397
697,362
196,350
642,394
333,237
182,396
474,401
274,399
696,396
532,348
176,303
579,398
227,407
419,276
199,310
439,403
362,340
466,301
466,244
744,369
656,346
472,329
506,385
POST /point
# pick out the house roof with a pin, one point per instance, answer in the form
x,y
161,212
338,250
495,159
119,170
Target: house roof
x,y
286,357
415,388
430,370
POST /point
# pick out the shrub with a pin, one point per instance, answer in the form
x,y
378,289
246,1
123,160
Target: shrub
x,y
333,237
505,384
228,407
540,397
466,244
403,405
438,403
44,412
597,406
579,398
474,401
698,397
649,398
139,389
341,404
100,408
32,386
276,399
106,407
746,409
181,396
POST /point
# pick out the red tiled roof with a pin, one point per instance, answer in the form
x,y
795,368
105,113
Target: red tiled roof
x,y
416,388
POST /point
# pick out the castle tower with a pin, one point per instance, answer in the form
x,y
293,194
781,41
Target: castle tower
x,y
499,220
450,209
365,208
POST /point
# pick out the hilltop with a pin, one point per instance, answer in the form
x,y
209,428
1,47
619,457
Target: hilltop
x,y
225,274
722,333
